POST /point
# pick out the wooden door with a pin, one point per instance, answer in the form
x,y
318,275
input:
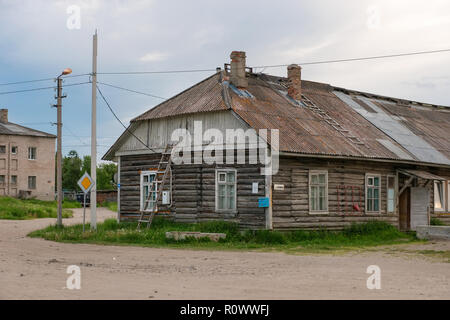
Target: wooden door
x,y
404,210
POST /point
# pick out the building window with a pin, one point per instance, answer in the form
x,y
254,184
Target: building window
x,y
147,178
14,149
2,179
390,194
32,153
2,149
32,182
373,193
226,189
439,199
13,180
318,191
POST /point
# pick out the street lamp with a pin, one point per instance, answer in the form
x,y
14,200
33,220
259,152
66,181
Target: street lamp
x,y
59,98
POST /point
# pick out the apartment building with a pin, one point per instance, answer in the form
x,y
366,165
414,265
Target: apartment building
x,y
27,161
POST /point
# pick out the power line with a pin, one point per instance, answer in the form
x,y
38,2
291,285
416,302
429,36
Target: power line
x,y
130,90
360,59
285,65
126,128
44,79
43,88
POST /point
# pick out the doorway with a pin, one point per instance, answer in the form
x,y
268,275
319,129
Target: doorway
x,y
404,210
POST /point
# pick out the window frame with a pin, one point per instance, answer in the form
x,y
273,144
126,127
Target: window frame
x,y
217,183
35,183
17,150
141,187
312,173
3,147
2,183
366,183
387,192
443,198
14,183
35,153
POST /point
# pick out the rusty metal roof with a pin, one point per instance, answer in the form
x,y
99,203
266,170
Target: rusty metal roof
x,y
304,130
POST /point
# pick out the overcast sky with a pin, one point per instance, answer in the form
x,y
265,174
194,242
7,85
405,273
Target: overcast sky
x,y
38,39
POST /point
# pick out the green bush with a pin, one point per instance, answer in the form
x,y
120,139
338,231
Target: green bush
x,y
436,222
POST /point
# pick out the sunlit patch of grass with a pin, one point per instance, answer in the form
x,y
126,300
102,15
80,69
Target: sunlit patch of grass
x,y
16,209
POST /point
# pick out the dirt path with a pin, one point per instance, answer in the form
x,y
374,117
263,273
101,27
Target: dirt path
x,y
36,269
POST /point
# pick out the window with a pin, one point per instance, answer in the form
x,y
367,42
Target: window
x,y
373,193
390,194
31,153
32,182
226,189
14,149
2,149
13,180
318,191
439,200
2,179
147,178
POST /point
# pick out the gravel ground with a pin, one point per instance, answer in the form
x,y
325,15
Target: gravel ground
x,y
36,269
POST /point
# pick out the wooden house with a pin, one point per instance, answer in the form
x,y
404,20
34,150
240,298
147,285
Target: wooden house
x,y
343,156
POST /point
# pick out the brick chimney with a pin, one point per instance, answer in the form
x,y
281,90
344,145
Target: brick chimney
x,y
238,78
294,72
4,115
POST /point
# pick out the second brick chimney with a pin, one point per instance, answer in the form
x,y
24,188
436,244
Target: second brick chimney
x,y
238,78
4,115
294,72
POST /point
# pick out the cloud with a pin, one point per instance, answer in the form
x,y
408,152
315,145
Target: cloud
x,y
154,56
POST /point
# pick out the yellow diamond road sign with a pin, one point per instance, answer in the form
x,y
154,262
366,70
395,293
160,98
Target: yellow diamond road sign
x,y
85,183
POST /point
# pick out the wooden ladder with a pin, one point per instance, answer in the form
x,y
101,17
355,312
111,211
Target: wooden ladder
x,y
332,122
164,169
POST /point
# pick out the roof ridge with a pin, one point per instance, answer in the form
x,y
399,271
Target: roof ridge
x,y
173,97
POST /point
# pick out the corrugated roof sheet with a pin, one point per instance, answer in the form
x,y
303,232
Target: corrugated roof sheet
x,y
384,129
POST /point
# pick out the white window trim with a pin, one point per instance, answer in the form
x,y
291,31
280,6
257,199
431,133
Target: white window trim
x,y
387,194
318,212
35,153
234,210
444,204
141,187
374,175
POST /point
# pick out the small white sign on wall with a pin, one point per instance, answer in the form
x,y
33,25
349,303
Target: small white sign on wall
x,y
255,187
278,187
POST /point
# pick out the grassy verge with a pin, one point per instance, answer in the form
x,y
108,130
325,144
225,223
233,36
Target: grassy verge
x,y
110,205
114,233
15,209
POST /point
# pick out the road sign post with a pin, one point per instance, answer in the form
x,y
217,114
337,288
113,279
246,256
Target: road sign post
x,y
85,183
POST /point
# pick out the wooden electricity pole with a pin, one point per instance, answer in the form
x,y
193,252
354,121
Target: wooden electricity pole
x,y
59,150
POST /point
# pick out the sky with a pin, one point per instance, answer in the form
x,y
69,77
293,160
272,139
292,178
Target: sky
x,y
39,38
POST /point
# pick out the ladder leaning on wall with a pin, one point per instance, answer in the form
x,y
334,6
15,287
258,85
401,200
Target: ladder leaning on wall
x,y
156,187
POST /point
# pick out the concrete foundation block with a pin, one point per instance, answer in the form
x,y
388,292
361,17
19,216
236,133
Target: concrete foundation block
x,y
433,232
182,235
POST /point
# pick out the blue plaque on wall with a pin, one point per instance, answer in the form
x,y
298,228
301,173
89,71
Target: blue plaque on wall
x,y
263,202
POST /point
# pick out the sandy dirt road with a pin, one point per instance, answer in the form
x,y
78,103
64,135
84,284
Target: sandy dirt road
x,y
36,269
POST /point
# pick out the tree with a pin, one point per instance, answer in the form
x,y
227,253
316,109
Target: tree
x,y
105,176
71,170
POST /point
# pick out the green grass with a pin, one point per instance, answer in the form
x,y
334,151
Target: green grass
x,y
113,233
16,209
436,222
110,205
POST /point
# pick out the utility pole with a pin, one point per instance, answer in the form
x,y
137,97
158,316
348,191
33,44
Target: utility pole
x,y
93,203
58,106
